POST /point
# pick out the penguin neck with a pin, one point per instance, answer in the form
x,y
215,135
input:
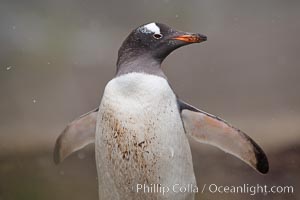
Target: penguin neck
x,y
141,64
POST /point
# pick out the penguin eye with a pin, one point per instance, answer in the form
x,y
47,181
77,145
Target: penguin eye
x,y
157,36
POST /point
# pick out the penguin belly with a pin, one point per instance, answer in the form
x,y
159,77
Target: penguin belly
x,y
142,151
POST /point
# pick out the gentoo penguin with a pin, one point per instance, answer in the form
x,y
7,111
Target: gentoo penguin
x,y
141,127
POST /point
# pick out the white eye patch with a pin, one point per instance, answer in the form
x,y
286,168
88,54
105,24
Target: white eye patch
x,y
150,28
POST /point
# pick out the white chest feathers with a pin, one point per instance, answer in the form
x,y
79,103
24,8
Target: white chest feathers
x,y
140,139
138,88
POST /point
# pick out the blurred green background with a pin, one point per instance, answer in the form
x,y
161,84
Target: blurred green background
x,y
56,57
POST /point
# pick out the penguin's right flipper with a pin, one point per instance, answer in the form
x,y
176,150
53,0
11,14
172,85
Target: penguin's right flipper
x,y
76,135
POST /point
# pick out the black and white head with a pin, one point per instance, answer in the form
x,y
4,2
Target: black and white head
x,y
154,42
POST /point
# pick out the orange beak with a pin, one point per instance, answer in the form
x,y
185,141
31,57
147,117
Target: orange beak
x,y
191,38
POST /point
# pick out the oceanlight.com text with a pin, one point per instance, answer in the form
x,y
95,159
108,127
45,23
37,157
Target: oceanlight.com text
x,y
247,189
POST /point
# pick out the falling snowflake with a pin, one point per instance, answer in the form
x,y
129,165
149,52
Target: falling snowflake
x,y
8,68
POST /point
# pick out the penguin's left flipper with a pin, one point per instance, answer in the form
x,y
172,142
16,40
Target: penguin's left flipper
x,y
76,135
209,129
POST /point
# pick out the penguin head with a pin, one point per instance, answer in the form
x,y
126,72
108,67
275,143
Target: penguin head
x,y
156,41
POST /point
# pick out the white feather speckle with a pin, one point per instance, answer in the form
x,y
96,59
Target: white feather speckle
x,y
150,28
